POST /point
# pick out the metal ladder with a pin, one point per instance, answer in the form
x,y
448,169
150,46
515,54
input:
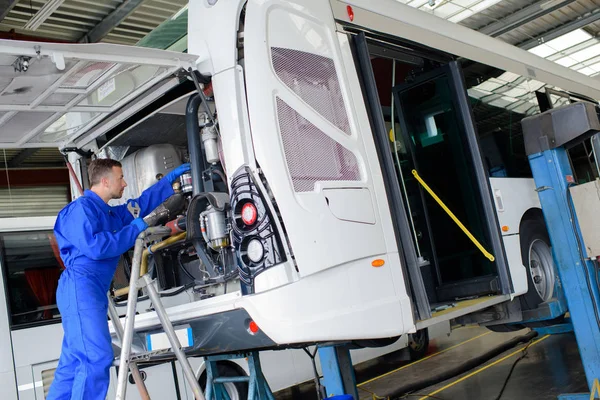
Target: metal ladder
x,y
258,388
127,361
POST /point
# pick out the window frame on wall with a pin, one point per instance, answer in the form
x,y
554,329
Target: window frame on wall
x,y
9,289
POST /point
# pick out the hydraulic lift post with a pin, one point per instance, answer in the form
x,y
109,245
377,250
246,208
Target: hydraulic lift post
x,y
547,138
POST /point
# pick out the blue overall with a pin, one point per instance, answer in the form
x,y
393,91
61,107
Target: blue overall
x,y
92,236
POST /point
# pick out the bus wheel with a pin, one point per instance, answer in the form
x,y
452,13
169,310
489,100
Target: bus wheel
x,y
418,344
236,391
537,258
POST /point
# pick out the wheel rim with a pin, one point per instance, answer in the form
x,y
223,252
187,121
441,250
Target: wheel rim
x,y
541,268
417,341
230,388
232,391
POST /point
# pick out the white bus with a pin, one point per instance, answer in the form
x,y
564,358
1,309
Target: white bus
x,y
31,333
304,122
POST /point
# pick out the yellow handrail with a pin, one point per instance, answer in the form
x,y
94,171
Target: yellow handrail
x,y
487,254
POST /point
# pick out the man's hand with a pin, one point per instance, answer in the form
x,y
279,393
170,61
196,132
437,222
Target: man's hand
x,y
140,224
177,172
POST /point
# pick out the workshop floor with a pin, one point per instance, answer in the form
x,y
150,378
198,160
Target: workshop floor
x,y
552,366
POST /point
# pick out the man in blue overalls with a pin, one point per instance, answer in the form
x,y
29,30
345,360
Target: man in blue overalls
x,y
91,236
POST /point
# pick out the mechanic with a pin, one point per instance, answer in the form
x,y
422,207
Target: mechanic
x,y
91,236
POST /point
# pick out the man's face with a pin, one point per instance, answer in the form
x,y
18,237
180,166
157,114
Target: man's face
x,y
116,183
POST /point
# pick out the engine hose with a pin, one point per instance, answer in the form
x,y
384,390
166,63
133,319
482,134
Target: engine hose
x,y
460,369
161,294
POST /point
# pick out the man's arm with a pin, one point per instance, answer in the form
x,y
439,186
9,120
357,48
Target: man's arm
x,y
153,196
82,229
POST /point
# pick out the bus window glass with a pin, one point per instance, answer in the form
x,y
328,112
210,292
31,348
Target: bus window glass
x,y
31,267
500,100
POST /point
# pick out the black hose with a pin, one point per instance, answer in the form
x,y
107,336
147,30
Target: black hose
x,y
160,294
193,138
461,369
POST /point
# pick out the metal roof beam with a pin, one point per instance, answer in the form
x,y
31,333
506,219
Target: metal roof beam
x,y
589,18
111,21
17,160
5,7
523,16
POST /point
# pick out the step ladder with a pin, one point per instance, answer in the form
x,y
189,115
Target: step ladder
x,y
215,386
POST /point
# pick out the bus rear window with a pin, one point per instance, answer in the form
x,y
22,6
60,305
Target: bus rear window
x,y
31,267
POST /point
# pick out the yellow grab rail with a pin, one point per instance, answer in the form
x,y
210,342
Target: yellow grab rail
x,y
487,254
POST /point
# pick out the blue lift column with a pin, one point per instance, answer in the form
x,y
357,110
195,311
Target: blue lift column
x,y
547,138
338,372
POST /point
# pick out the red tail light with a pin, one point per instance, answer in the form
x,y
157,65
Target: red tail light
x,y
249,214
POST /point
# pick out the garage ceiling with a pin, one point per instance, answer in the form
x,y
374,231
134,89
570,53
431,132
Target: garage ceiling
x,y
110,21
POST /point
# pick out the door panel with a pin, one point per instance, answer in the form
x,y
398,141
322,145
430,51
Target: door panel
x,y
306,137
436,131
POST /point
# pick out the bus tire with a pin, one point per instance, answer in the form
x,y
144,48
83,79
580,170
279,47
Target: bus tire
x,y
418,344
236,391
536,253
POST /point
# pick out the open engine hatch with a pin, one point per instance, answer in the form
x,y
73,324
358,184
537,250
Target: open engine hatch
x,y
53,94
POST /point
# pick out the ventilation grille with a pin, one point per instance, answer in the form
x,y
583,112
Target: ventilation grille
x,y
311,155
314,79
47,379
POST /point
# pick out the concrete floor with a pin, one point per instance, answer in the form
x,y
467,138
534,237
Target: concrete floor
x,y
551,367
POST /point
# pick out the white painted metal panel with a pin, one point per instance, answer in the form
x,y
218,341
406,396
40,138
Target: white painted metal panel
x,y
66,89
295,108
513,197
586,199
518,272
7,367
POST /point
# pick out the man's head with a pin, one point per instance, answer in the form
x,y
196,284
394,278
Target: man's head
x,y
106,178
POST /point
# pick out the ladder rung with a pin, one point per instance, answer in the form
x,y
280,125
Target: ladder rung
x,y
233,379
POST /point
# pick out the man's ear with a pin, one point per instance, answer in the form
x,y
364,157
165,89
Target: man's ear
x,y
104,181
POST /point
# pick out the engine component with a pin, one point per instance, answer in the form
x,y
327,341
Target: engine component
x,y
214,228
166,211
145,167
185,182
193,138
196,226
210,140
177,225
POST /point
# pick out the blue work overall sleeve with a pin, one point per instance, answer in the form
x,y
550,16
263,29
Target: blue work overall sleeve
x,y
91,236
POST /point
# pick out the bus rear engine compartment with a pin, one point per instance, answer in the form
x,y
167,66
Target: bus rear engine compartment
x,y
219,241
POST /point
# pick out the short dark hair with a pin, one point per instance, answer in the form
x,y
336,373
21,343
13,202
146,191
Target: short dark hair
x,y
99,168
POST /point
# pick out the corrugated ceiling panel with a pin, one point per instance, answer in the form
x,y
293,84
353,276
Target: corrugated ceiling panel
x,y
74,18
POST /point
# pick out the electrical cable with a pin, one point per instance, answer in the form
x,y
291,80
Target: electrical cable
x,y
468,365
321,394
522,356
183,268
